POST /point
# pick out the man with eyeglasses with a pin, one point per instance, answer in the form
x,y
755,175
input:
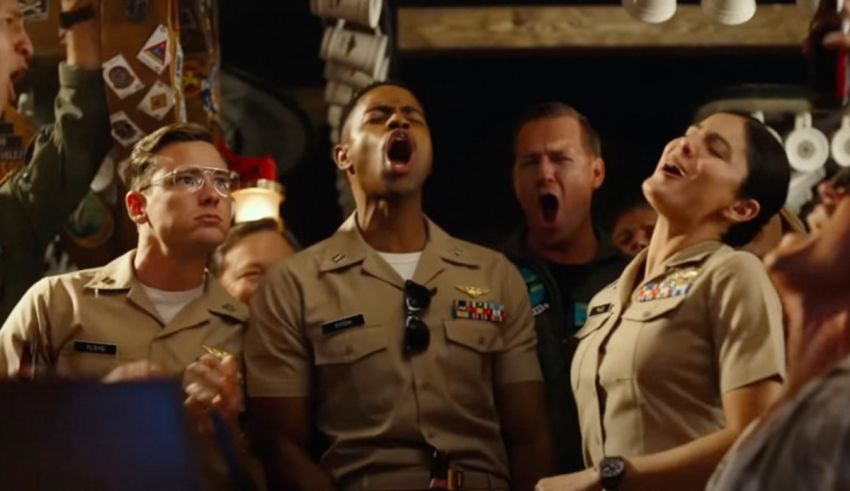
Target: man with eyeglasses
x,y
154,309
398,342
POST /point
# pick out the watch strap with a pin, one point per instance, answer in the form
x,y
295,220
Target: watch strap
x,y
68,19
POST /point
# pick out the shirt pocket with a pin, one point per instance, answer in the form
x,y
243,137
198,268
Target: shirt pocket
x,y
83,364
471,348
349,364
645,312
586,340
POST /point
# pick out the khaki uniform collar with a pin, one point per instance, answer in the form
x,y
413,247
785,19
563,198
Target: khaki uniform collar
x,y
694,254
119,275
347,247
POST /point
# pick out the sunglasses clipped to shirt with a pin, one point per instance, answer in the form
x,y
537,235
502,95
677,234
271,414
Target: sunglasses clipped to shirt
x,y
417,336
191,179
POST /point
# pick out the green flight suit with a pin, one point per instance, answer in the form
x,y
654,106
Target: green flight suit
x,y
38,199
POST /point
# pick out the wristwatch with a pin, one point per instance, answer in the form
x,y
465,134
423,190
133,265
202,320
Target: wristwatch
x,y
69,18
611,472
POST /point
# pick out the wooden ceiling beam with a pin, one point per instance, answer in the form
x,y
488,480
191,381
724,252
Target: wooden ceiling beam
x,y
437,29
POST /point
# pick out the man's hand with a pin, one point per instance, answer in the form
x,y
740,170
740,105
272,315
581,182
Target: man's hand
x,y
586,480
212,384
133,372
82,42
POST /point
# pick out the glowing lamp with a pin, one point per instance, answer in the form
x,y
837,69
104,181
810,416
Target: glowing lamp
x,y
258,199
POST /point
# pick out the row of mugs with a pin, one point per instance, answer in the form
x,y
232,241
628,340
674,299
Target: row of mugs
x,y
728,12
808,148
366,13
353,60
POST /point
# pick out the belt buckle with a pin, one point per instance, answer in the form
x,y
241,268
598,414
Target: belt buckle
x,y
455,479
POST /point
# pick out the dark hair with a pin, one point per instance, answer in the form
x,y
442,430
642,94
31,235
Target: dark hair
x,y
236,234
768,177
346,110
549,110
140,167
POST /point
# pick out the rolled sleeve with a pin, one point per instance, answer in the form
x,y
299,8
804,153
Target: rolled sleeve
x,y
518,361
748,333
277,353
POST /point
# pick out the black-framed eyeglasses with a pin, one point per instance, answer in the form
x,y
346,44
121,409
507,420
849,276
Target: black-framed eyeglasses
x,y
417,336
191,179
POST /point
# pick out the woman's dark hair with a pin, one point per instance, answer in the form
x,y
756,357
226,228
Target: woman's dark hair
x,y
768,176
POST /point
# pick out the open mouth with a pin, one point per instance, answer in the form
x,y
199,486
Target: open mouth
x,y
399,148
549,207
673,170
14,79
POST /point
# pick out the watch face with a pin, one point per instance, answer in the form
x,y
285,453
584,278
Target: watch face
x,y
611,467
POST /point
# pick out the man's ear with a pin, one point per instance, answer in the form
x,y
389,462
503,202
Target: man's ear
x,y
742,210
136,206
597,167
342,158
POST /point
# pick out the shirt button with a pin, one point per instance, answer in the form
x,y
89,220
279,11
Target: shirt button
x,y
480,340
349,350
425,386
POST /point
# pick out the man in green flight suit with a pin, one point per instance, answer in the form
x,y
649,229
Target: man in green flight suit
x,y
37,199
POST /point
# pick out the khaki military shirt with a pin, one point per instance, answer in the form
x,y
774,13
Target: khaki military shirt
x,y
655,357
86,323
328,324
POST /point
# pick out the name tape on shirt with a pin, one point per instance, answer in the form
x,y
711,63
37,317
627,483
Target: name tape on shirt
x,y
342,324
97,348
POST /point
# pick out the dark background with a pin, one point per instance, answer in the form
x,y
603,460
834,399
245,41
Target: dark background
x,y
637,99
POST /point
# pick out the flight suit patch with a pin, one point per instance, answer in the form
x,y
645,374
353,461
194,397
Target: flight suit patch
x,y
96,348
536,291
482,311
342,324
676,284
579,314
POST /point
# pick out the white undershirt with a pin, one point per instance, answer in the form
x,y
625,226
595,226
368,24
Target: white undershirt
x,y
169,303
404,264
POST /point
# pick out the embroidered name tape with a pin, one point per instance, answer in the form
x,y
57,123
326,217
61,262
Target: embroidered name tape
x,y
97,348
600,309
482,311
342,324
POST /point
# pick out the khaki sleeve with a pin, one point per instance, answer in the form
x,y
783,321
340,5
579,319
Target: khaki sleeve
x,y
518,360
747,322
21,345
277,353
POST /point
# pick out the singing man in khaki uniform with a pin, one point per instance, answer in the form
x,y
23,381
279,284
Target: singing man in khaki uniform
x,y
393,338
156,304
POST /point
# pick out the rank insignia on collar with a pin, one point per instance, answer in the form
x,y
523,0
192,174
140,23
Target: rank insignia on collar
x,y
482,311
473,291
673,285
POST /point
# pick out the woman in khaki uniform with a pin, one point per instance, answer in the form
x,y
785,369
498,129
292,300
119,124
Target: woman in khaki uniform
x,y
686,348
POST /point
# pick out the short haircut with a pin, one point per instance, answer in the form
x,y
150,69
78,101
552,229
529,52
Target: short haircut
x,y
348,108
551,110
236,234
767,180
140,167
